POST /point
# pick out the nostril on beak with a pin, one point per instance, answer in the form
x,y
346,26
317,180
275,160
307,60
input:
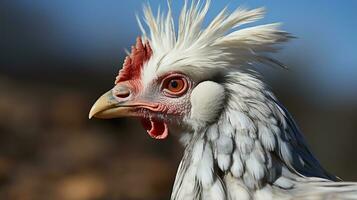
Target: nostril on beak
x,y
121,91
122,94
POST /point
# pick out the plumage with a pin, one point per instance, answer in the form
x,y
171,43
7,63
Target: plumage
x,y
240,142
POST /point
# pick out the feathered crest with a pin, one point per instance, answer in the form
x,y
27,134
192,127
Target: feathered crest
x,y
219,45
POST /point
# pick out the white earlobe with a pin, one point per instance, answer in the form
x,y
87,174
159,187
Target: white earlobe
x,y
207,100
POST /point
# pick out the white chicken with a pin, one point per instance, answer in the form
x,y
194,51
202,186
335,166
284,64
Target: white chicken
x,y
240,142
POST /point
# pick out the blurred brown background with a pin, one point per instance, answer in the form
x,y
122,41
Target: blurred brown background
x,y
57,57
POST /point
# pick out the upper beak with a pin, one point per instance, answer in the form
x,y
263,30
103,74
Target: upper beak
x,y
107,107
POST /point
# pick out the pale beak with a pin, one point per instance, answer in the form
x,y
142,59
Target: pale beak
x,y
107,107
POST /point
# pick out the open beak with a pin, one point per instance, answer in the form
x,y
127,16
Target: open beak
x,y
107,107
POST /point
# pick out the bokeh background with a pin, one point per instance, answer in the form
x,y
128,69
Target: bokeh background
x,y
57,57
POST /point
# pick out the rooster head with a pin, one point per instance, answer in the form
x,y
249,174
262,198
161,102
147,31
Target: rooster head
x,y
175,78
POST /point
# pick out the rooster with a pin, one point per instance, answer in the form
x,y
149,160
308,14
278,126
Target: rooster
x,y
240,142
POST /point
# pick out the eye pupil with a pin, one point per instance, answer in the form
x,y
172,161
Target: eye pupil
x,y
174,84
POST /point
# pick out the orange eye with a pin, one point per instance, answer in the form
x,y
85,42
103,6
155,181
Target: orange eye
x,y
176,85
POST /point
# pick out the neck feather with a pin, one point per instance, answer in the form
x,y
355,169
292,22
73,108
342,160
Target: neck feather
x,y
255,141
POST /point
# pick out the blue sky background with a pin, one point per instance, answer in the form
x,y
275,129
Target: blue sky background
x,y
94,30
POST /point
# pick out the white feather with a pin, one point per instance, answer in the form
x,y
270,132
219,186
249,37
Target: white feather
x,y
224,145
216,192
224,161
206,50
237,166
212,132
205,167
236,189
266,137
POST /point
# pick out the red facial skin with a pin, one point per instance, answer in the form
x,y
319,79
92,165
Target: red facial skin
x,y
155,111
168,103
153,114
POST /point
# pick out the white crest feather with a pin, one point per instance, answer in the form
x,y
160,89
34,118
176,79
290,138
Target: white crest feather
x,y
205,50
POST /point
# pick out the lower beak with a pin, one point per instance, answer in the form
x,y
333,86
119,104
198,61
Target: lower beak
x,y
107,107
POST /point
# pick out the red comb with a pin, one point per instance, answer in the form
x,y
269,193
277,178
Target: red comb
x,y
133,64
